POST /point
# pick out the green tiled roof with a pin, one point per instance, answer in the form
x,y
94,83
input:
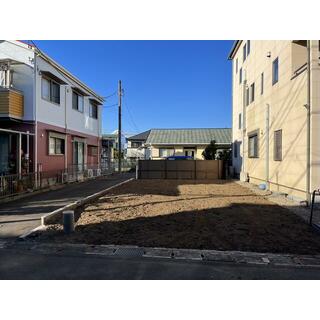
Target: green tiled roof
x,y
189,136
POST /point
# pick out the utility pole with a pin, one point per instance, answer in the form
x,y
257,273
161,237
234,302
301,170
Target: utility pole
x,y
119,126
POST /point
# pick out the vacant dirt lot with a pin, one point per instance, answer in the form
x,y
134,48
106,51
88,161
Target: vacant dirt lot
x,y
217,215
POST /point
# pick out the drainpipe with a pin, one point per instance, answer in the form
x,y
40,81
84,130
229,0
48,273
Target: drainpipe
x,y
35,147
267,144
308,106
65,130
244,123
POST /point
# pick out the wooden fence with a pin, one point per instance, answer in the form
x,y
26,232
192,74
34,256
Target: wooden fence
x,y
180,169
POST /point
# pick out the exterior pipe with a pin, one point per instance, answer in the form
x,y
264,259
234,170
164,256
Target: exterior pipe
x,y
267,145
35,119
244,123
308,195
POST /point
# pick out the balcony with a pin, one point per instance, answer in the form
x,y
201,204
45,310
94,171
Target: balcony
x,y
11,103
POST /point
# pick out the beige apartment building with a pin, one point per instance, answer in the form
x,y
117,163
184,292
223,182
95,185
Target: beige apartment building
x,y
276,114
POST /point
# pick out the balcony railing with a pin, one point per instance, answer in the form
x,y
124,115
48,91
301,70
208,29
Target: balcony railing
x,y
11,103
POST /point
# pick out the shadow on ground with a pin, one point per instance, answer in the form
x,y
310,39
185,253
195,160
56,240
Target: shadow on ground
x,y
244,227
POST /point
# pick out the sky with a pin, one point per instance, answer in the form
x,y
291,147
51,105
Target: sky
x,y
167,84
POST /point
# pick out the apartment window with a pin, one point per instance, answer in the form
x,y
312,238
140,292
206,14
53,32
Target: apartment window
x,y
244,52
50,90
240,121
252,92
77,101
262,83
240,76
166,152
248,47
56,146
236,65
93,110
235,150
277,153
92,151
247,97
253,146
275,71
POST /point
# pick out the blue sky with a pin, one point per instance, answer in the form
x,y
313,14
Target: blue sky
x,y
167,84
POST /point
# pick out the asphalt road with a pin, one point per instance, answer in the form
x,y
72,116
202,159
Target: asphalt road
x,y
23,264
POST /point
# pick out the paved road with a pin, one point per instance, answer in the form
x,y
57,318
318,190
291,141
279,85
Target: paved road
x,y
21,216
24,264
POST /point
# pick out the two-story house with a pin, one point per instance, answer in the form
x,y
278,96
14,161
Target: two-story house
x,y
49,119
136,148
276,114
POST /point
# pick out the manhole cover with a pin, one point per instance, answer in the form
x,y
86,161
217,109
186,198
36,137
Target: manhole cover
x,y
129,252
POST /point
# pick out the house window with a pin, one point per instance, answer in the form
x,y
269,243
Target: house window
x,y
277,154
235,150
93,111
77,101
136,144
252,93
275,71
56,146
92,151
240,121
247,97
244,52
248,47
240,76
262,83
237,65
50,90
253,146
165,152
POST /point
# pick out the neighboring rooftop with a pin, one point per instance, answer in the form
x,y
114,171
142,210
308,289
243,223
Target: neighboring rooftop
x,y
109,136
189,136
140,136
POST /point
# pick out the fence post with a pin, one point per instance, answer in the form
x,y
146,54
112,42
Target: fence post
x,y
137,170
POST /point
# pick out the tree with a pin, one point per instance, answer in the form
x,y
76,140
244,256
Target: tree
x,y
209,153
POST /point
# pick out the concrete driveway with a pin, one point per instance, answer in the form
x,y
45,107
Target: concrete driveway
x,y
20,216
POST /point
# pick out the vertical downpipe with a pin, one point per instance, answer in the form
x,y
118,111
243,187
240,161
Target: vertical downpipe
x,y
35,119
308,195
244,123
65,130
267,144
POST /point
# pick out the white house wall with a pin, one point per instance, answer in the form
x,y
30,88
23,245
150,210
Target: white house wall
x,y
54,114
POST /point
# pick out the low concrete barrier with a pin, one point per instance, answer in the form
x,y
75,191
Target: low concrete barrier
x,y
52,216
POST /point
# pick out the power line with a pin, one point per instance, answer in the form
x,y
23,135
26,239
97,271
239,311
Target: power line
x,y
131,117
111,106
111,95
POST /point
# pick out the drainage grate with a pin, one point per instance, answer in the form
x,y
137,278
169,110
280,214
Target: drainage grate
x,y
129,252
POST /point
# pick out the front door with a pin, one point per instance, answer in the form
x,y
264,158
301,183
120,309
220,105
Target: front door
x,y
78,155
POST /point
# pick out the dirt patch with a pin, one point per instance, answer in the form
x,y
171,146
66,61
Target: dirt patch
x,y
218,215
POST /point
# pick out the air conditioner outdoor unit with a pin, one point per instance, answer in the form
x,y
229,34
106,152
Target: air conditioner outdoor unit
x,y
90,173
64,177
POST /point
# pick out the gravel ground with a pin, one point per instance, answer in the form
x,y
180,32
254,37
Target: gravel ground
x,y
220,215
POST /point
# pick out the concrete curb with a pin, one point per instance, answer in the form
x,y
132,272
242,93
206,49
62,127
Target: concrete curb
x,y
206,256
46,219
